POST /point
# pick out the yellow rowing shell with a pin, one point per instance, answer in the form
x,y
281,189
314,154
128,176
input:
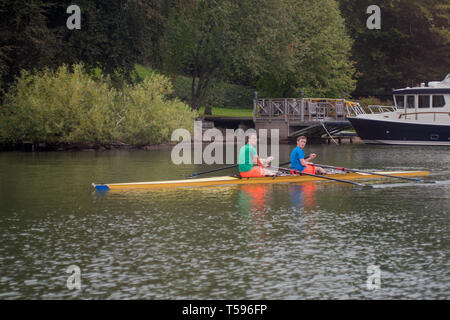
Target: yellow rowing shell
x,y
228,180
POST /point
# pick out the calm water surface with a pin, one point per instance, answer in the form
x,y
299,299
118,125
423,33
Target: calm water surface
x,y
288,241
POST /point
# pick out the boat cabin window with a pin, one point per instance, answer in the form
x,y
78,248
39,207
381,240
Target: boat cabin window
x,y
400,102
424,101
410,102
438,101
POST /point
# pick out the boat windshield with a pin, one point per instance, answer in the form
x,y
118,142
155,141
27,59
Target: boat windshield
x,y
400,102
424,101
410,102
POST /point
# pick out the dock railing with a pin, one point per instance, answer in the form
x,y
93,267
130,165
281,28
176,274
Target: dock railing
x,y
303,109
311,109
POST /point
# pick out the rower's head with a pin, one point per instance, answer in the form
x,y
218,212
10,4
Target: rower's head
x,y
252,139
301,142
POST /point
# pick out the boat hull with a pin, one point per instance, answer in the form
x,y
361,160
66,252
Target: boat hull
x,y
376,131
227,180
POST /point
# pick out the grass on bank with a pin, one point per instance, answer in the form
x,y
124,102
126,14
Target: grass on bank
x,y
230,100
228,112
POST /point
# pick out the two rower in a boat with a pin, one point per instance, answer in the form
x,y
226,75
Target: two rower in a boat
x,y
298,161
250,164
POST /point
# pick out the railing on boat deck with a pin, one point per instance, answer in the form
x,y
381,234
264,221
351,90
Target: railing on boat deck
x,y
356,109
381,109
416,114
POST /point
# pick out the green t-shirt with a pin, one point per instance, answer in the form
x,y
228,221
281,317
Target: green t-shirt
x,y
246,155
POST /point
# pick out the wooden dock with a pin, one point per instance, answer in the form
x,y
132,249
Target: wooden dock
x,y
311,117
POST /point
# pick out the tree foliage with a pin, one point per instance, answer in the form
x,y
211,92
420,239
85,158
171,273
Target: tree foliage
x,y
215,39
321,48
279,47
412,46
25,40
114,35
65,106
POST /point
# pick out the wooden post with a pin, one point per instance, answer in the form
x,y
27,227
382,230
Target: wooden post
x,y
270,110
286,108
302,106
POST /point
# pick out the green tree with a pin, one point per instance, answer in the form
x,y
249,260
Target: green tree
x,y
114,35
218,39
412,45
321,48
25,40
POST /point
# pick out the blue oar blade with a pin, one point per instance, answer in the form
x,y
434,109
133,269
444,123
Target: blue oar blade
x,y
101,187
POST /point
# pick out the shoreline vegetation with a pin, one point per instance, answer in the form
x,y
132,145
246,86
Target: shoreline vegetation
x,y
133,71
78,109
75,106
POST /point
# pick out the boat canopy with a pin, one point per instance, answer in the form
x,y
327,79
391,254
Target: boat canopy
x,y
434,87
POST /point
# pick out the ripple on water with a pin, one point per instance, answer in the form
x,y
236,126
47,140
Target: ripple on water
x,y
304,241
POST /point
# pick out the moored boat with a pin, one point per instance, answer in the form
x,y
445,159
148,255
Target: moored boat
x,y
421,116
230,180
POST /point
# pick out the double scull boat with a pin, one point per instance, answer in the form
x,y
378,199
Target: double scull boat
x,y
230,180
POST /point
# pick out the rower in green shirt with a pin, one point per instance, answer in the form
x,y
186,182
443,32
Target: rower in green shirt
x,y
250,165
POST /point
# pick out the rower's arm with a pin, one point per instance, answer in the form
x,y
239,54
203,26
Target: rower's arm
x,y
311,156
262,162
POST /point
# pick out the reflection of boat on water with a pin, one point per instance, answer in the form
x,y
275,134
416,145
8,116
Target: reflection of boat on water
x,y
229,180
421,116
303,195
253,197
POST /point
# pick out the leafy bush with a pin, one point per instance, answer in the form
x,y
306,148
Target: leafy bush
x,y
58,106
150,117
75,106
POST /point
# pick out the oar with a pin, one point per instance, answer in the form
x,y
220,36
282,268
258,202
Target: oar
x,y
323,177
361,171
205,172
215,170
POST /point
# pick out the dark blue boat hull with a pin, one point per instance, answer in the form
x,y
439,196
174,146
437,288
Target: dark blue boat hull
x,y
395,132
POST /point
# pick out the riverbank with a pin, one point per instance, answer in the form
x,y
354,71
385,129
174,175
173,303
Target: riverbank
x,y
80,147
